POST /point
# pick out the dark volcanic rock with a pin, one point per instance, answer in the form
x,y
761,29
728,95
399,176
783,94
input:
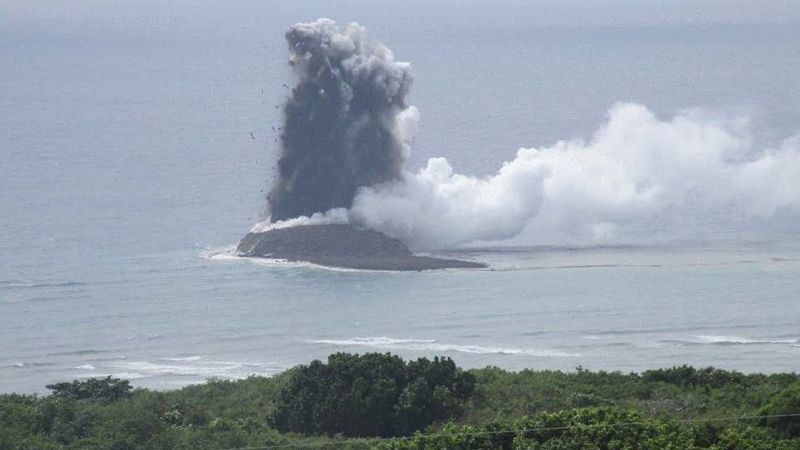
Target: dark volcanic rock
x,y
341,246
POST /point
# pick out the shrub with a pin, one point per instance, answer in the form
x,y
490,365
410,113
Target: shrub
x,y
689,376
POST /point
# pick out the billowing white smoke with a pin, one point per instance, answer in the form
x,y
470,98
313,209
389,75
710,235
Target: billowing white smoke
x,y
439,208
634,168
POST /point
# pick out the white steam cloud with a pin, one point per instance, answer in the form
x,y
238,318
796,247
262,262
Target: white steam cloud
x,y
634,168
348,131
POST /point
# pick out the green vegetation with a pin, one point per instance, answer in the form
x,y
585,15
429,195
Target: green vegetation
x,y
371,395
359,402
108,389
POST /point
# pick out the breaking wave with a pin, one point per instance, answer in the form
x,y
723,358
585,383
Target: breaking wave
x,y
431,345
193,366
184,359
729,340
37,284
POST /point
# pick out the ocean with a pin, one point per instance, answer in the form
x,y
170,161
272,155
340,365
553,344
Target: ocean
x,y
137,152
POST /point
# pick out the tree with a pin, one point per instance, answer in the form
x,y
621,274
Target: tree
x,y
104,389
371,395
785,405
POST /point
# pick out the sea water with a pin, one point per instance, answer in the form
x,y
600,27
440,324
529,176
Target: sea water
x,y
135,154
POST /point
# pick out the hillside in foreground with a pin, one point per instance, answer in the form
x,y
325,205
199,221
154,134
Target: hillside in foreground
x,y
381,401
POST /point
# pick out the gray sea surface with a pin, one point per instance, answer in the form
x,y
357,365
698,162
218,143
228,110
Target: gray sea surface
x,y
135,150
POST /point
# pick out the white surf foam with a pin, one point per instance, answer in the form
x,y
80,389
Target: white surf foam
x,y
187,358
230,255
21,364
123,375
730,340
220,253
431,345
373,341
711,339
594,337
193,366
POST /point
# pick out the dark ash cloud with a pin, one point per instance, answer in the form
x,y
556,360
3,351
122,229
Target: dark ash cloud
x,y
339,130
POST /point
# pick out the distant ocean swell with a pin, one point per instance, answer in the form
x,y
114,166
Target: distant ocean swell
x,y
729,340
678,328
431,345
24,364
35,284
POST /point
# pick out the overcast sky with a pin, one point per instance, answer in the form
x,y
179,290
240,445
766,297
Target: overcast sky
x,y
38,15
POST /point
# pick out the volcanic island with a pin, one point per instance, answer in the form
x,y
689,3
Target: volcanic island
x,y
345,127
342,246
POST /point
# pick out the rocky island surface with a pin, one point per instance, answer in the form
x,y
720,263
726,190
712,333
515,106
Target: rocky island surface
x,y
342,246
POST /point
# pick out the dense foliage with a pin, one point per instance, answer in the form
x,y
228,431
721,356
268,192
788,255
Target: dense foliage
x,y
379,395
371,395
107,388
591,429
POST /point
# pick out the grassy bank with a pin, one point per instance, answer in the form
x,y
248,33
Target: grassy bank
x,y
338,403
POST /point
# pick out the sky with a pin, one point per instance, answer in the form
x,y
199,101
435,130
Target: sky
x,y
182,15
68,43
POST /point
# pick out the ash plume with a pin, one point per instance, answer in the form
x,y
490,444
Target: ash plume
x,y
348,132
341,123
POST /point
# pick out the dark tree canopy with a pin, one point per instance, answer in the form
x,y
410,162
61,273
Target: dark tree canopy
x,y
689,376
677,408
371,395
107,389
784,407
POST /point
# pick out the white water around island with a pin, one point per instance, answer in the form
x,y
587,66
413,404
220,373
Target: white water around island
x,y
135,156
